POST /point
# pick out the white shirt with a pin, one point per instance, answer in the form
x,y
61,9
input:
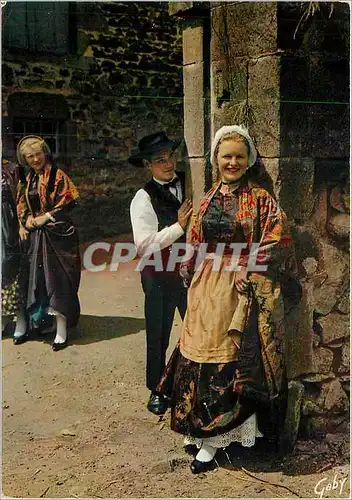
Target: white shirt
x,y
145,222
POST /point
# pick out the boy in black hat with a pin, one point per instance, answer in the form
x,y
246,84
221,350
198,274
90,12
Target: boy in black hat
x,y
159,215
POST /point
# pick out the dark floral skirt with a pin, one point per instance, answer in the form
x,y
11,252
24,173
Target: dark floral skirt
x,y
209,399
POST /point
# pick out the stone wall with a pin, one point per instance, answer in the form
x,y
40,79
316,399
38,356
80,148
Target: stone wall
x,y
288,81
313,180
123,82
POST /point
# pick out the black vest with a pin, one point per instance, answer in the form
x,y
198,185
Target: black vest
x,y
165,204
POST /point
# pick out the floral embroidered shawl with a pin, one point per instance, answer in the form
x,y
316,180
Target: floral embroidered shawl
x,y
64,192
275,250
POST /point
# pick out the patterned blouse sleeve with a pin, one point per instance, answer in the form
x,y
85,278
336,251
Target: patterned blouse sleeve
x,y
271,232
21,203
65,194
275,243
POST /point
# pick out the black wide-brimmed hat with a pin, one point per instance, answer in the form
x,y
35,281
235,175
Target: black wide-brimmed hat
x,y
151,144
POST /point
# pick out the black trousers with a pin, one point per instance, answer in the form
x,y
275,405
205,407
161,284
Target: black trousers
x,y
163,293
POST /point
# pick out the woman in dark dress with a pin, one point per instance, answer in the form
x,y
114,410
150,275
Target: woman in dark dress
x,y
44,203
13,285
228,366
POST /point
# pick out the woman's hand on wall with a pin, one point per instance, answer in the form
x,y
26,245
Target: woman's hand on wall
x,y
241,281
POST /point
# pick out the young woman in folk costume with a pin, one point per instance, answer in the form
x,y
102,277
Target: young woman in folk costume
x,y
43,206
228,368
13,276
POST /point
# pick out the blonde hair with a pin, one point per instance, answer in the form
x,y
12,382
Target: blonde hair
x,y
29,142
231,136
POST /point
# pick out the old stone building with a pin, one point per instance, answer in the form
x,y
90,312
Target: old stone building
x,y
92,78
282,68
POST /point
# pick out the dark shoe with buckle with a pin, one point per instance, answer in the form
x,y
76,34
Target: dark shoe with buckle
x,y
58,346
191,449
197,466
20,339
157,404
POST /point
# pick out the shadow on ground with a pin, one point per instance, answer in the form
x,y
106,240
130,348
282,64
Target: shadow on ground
x,y
96,328
308,457
91,329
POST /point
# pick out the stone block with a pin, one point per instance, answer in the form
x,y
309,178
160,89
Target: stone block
x,y
343,304
229,84
333,397
309,407
322,360
345,363
298,335
320,212
193,81
314,427
297,184
177,8
330,398
294,130
294,77
318,377
293,415
329,78
309,249
339,442
243,29
263,99
329,130
197,169
310,266
337,267
334,326
338,226
224,116
192,45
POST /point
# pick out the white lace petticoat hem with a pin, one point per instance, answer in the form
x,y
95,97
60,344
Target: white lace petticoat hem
x,y
245,434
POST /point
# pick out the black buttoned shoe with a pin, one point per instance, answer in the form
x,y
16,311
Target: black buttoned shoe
x,y
157,404
197,466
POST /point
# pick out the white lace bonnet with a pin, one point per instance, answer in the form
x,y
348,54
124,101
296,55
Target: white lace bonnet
x,y
231,129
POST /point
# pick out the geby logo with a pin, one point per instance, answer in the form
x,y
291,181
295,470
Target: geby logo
x,y
325,485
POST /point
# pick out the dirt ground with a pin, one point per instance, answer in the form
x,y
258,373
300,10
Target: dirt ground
x,y
75,422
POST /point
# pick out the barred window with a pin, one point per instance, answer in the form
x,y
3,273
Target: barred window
x,y
50,130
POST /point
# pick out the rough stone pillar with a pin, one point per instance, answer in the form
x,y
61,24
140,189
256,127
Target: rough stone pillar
x,y
196,83
245,74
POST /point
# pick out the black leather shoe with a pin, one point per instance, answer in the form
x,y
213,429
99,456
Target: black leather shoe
x,y
197,467
191,449
157,404
58,346
21,339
